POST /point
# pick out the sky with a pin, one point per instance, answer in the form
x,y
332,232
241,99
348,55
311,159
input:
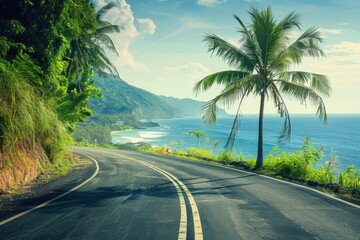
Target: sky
x,y
162,49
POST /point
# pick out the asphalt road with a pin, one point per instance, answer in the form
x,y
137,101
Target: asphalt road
x,y
143,196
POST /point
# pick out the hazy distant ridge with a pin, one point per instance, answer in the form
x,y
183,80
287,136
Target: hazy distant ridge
x,y
121,97
187,106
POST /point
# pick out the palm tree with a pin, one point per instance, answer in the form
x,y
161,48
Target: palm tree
x,y
87,52
89,48
198,134
262,63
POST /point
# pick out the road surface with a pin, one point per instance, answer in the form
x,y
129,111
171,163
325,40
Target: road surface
x,y
143,196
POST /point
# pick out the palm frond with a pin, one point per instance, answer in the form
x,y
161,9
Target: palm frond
x,y
304,94
105,42
249,45
232,93
318,82
109,29
234,129
282,110
306,45
290,21
209,116
102,11
224,77
231,54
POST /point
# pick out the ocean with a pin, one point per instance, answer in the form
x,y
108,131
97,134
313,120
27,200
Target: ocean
x,y
341,135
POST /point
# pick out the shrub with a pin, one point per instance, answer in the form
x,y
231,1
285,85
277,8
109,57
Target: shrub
x,y
350,178
226,157
326,174
251,162
200,153
177,152
295,163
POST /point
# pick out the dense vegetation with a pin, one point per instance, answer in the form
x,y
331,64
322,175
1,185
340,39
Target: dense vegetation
x,y
262,67
48,52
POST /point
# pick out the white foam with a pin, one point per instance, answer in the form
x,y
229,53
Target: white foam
x,y
152,134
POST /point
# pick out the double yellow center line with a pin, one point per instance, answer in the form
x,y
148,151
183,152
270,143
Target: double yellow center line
x,y
180,187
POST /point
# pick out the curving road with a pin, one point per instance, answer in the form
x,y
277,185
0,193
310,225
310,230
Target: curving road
x,y
144,196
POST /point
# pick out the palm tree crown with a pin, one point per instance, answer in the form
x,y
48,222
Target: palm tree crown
x,y
89,48
261,66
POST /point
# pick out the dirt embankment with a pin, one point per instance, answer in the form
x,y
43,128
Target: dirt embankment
x,y
21,167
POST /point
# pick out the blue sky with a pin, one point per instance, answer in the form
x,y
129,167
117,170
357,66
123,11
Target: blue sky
x,y
162,49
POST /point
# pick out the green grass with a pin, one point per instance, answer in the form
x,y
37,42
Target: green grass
x,y
298,164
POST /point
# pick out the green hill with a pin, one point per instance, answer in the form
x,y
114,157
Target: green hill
x,y
122,98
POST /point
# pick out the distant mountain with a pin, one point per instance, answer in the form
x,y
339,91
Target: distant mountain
x,y
188,107
122,98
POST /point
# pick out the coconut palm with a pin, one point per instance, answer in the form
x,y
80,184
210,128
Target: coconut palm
x,y
87,52
89,48
261,64
198,134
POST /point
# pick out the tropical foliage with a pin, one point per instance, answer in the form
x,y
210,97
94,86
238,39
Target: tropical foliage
x,y
48,53
93,134
262,66
306,165
198,134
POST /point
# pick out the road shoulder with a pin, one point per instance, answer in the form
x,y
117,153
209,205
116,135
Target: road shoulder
x,y
40,191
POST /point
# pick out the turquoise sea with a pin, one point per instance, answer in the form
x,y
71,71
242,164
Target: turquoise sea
x,y
341,135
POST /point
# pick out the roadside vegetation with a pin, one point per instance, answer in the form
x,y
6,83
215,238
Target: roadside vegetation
x,y
306,166
49,51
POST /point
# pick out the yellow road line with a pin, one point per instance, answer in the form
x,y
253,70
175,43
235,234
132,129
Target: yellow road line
x,y
56,198
183,214
194,209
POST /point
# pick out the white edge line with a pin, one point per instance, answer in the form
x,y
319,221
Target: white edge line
x,y
56,198
276,179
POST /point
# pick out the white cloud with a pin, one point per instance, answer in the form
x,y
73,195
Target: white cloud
x,y
210,3
147,26
347,48
331,31
123,15
180,80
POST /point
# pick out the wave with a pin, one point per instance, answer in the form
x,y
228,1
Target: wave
x,y
152,134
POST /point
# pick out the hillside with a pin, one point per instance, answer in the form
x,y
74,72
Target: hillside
x,y
120,97
123,98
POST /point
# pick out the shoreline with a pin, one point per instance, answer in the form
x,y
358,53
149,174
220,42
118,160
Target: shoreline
x,y
120,131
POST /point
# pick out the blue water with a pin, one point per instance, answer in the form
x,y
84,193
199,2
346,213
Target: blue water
x,y
340,135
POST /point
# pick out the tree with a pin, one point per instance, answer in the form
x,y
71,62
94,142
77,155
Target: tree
x,y
87,52
262,64
89,48
198,134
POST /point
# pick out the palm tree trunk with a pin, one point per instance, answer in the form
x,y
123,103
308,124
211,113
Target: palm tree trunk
x,y
260,153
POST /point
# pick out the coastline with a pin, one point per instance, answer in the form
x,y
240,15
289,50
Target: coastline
x,y
119,131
